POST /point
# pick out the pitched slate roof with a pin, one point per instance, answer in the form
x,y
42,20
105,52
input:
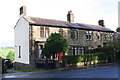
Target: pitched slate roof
x,y
64,24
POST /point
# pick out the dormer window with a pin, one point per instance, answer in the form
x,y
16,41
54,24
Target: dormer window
x,y
89,35
74,34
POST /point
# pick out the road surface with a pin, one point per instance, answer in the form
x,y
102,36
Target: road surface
x,y
99,72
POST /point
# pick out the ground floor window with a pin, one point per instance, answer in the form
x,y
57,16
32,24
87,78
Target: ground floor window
x,y
40,50
75,50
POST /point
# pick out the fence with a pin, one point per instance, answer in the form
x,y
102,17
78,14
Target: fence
x,y
47,64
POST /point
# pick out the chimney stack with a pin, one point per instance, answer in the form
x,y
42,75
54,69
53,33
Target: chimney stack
x,y
70,17
101,23
118,29
23,11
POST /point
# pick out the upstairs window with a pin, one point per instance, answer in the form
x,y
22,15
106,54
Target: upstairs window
x,y
98,35
41,31
46,32
89,35
107,36
74,34
60,31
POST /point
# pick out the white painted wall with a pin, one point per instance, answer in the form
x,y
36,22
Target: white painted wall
x,y
119,14
21,34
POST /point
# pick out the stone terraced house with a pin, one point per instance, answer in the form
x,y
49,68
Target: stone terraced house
x,y
31,34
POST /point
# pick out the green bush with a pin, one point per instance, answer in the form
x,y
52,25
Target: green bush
x,y
73,59
101,57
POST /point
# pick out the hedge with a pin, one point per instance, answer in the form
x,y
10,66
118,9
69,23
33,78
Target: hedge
x,y
73,59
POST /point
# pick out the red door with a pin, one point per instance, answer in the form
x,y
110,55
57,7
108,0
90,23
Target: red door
x,y
60,56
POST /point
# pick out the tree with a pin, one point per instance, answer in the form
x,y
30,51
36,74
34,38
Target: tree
x,y
55,44
10,55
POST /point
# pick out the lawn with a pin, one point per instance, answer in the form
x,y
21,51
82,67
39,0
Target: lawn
x,y
4,52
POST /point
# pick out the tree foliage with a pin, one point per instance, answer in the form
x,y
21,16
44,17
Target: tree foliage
x,y
10,55
54,44
110,49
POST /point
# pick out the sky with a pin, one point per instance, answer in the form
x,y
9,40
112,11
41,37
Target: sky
x,y
85,11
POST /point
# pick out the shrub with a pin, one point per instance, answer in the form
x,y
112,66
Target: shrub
x,y
73,59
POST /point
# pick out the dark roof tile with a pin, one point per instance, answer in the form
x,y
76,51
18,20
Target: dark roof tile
x,y
51,22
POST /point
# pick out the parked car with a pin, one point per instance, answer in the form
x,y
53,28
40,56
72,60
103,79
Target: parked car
x,y
6,64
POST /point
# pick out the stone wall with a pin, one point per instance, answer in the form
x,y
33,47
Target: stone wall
x,y
35,36
23,66
0,65
81,36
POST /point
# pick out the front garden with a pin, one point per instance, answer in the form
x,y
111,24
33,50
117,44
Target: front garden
x,y
56,44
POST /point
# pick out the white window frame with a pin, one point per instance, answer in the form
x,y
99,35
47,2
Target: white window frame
x,y
107,36
98,35
46,32
88,35
77,50
75,34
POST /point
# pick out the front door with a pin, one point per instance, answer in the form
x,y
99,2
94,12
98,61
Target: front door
x,y
60,55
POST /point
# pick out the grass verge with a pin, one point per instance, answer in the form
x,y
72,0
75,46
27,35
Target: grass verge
x,y
23,70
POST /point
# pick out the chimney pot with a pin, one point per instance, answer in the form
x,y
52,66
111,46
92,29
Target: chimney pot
x,y
118,29
70,16
101,23
23,11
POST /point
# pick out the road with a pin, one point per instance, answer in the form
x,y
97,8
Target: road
x,y
99,72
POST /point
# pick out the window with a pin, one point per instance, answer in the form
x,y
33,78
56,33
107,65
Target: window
x,y
80,50
46,32
60,31
98,35
99,46
74,34
90,47
19,52
89,35
107,36
41,31
76,50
